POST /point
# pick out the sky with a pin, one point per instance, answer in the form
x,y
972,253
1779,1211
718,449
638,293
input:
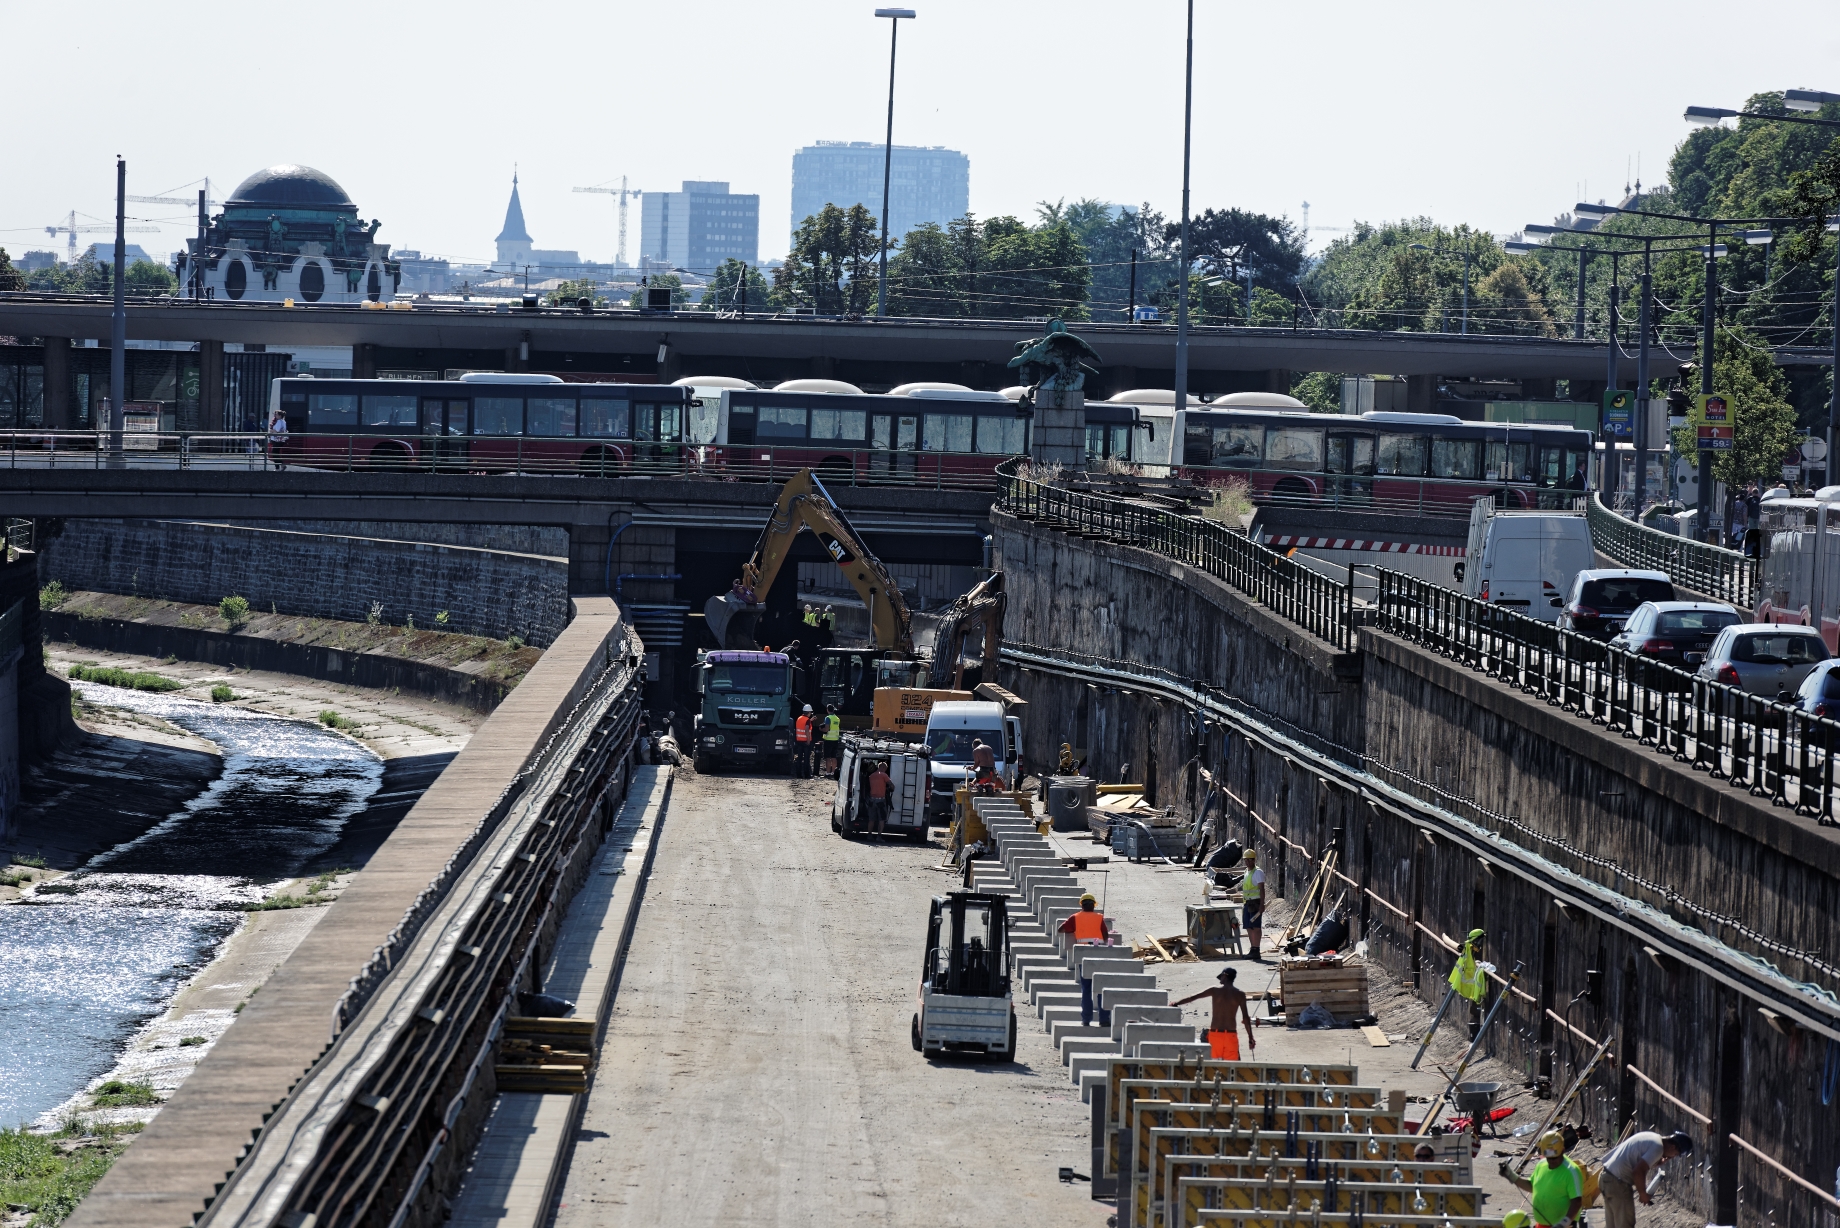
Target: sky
x,y
1481,113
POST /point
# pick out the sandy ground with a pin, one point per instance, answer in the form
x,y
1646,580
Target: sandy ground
x,y
757,1069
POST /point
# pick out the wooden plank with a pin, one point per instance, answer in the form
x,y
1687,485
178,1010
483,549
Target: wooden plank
x,y
1375,1037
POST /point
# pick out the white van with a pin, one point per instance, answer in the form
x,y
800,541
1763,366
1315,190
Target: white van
x,y
951,728
1525,561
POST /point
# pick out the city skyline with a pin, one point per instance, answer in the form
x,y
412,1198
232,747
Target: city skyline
x,y
1372,137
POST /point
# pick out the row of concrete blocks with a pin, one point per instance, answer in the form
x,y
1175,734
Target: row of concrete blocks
x,y
1049,967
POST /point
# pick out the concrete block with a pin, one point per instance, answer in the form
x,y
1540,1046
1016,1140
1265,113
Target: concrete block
x,y
1102,981
1059,1015
1086,1044
1136,1034
1088,1079
1050,993
1063,1031
1034,979
1080,1063
1081,955
1143,1014
1112,999
1170,1051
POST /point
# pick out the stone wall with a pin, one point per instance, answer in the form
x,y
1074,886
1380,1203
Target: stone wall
x,y
490,592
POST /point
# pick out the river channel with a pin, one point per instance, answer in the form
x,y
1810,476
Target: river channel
x,y
102,951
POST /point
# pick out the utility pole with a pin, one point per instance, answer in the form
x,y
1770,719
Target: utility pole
x,y
1578,319
1833,404
118,319
1709,323
894,32
1130,315
1188,118
1642,392
198,256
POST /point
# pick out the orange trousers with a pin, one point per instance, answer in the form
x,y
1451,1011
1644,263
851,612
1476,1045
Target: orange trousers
x,y
1224,1046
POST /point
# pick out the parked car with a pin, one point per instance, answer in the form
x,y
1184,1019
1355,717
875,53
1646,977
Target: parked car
x,y
1601,599
1767,659
1676,633
1819,694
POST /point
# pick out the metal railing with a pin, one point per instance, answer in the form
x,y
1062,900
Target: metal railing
x,y
1712,570
514,455
1305,597
1379,493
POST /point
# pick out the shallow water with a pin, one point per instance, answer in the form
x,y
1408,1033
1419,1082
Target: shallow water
x,y
106,948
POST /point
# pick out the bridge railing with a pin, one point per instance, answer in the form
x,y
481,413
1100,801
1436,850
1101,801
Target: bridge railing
x,y
1712,570
1772,749
498,456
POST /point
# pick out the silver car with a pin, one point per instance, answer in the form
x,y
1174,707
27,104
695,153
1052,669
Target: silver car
x,y
1767,659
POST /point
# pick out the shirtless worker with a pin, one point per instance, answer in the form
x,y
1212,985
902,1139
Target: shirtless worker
x,y
1223,1028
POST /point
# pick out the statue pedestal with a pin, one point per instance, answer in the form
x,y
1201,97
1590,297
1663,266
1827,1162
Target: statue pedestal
x,y
1059,433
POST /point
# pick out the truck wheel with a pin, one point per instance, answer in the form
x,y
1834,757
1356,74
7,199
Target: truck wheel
x,y
918,834
917,1045
834,826
705,765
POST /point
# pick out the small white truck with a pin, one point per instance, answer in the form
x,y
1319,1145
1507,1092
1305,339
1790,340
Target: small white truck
x,y
1525,561
907,781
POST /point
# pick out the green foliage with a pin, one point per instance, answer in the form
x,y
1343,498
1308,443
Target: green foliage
x,y
1320,390
48,1179
11,279
332,720
234,611
724,291
1762,420
12,878
127,679
514,642
53,595
832,266
87,276
36,863
1229,242
440,619
570,293
221,694
146,277
117,1094
186,1042
1109,236
1000,268
680,297
1408,276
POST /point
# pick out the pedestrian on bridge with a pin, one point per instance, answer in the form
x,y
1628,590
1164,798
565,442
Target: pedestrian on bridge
x,y
1223,1024
277,437
802,731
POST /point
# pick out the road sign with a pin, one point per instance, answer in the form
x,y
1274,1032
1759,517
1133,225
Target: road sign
x,y
1714,438
1619,413
1712,407
1814,451
1792,473
1792,459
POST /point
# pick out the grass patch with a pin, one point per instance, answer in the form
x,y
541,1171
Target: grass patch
x,y
50,1173
53,595
37,863
12,878
186,1042
57,889
332,720
116,1094
276,902
128,679
221,694
234,611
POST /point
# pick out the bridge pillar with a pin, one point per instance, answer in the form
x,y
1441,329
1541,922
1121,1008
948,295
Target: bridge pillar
x,y
364,361
671,365
1538,389
1278,380
211,385
1421,394
823,366
58,415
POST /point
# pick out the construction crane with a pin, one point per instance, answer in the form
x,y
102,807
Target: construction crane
x,y
73,230
178,200
622,192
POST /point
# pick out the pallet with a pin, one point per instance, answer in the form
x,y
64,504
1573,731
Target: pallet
x,y
1339,988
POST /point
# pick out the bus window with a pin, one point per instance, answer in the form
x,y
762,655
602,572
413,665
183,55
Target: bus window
x,y
1506,462
1002,436
670,423
1352,454
389,411
1456,458
552,416
606,418
1402,455
332,409
780,422
841,424
1293,447
741,424
705,415
498,416
1197,445
946,433
1238,447
1552,470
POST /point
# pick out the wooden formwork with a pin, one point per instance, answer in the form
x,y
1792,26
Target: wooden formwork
x,y
1430,1189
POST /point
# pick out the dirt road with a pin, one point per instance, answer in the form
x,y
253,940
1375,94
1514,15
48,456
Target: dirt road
x,y
758,1068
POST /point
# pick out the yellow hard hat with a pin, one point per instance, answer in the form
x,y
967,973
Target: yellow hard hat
x,y
1514,1219
1552,1143
1251,855
1089,898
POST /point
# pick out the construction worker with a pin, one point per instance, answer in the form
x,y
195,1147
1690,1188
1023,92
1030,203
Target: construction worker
x,y
1066,766
1223,1025
1627,1172
983,767
802,730
832,727
811,616
1252,912
878,798
1556,1183
1469,980
1089,928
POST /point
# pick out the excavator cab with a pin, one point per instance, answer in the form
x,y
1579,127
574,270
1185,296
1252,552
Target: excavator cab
x,y
964,1003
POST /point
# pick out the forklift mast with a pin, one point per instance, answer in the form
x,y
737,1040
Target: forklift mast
x,y
967,945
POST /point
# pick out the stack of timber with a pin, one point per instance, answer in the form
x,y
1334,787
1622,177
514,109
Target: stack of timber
x,y
1338,983
550,1056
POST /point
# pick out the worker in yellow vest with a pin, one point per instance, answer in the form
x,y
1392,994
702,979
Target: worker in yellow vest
x,y
1089,928
1252,911
1470,980
811,616
833,739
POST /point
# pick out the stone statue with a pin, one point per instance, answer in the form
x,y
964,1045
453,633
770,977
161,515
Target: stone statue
x,y
338,235
1053,361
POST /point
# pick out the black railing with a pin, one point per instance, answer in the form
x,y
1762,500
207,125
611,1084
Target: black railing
x,y
1712,570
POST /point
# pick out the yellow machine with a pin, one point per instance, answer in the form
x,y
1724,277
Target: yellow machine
x,y
805,504
982,607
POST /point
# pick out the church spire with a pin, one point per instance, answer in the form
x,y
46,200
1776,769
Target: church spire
x,y
514,231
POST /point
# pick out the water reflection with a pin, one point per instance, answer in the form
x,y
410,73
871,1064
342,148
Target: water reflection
x,y
104,949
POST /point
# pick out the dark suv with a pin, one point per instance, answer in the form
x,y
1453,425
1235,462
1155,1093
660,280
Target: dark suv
x,y
1602,599
1676,633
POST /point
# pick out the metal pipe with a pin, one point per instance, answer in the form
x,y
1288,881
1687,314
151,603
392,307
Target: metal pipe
x,y
118,318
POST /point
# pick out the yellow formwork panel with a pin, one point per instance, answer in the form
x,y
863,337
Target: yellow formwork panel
x,y
1333,1098
1427,1190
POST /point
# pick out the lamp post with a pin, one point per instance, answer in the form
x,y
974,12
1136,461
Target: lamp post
x,y
894,30
1188,117
118,320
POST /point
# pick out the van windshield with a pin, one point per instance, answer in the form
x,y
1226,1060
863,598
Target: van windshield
x,y
954,745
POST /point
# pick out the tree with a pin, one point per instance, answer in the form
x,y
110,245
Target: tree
x,y
1226,242
570,293
1320,390
1032,271
1408,276
932,273
146,277
1508,303
679,296
725,289
832,267
1110,234
86,276
11,279
1761,418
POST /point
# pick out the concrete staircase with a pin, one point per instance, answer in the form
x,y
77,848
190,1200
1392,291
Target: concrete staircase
x,y
1048,966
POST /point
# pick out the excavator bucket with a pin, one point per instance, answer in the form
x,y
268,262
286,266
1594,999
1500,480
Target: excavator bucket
x,y
731,622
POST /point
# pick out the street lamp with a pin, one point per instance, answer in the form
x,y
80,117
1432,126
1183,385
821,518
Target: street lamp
x,y
1710,117
1807,100
1188,125
894,29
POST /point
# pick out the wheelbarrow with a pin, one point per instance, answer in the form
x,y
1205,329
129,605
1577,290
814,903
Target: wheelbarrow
x,y
1477,1101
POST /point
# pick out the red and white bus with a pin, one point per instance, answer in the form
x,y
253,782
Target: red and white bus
x,y
1434,464
485,422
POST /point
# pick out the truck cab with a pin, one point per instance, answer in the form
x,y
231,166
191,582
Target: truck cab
x,y
951,729
746,709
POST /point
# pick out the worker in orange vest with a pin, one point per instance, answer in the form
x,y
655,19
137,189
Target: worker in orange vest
x,y
801,744
1089,927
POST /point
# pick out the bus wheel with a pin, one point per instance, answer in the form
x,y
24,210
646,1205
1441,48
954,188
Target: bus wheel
x,y
390,457
601,462
1293,491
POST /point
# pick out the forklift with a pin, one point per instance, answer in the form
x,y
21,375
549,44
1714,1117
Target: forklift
x,y
964,1000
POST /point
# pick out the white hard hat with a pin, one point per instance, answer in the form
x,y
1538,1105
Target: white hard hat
x,y
808,707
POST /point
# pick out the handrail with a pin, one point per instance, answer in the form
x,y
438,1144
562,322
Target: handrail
x,y
1726,574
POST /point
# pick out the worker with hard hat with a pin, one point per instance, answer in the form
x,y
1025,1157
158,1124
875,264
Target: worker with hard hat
x,y
802,730
1470,979
1252,911
832,727
1556,1184
1089,928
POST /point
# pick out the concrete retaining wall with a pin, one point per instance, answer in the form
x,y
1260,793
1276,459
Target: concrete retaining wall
x,y
495,593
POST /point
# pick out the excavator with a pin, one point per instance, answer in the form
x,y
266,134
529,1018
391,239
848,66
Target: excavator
x,y
981,608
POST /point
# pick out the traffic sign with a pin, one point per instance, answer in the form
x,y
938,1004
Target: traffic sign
x,y
1792,473
1712,407
1714,438
1619,413
1813,450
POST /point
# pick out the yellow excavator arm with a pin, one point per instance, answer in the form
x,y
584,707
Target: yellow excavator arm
x,y
805,504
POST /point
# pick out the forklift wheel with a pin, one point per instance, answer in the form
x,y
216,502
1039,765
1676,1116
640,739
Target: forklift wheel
x,y
1009,1054
917,1046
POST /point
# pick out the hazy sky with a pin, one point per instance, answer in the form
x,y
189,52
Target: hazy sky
x,y
1496,114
